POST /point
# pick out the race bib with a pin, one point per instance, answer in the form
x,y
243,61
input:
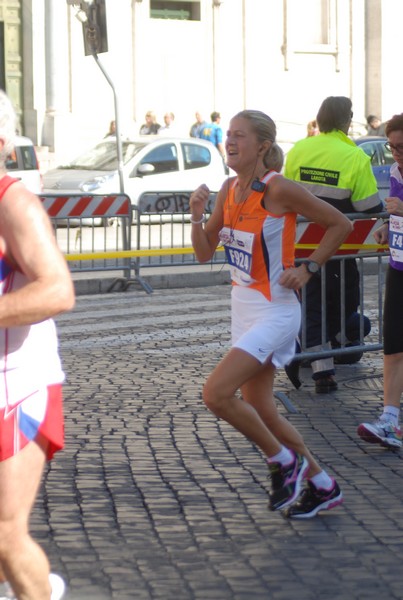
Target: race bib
x,y
238,249
396,238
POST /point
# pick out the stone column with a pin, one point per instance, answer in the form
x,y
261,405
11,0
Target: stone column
x,y
57,114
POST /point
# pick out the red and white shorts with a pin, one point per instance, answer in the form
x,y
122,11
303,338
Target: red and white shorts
x,y
38,418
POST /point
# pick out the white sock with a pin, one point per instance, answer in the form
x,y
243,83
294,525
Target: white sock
x,y
322,480
284,457
391,414
56,583
5,590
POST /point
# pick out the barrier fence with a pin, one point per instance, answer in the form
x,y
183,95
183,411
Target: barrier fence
x,y
107,233
93,231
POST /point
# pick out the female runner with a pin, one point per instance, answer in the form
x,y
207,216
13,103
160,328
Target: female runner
x,y
255,219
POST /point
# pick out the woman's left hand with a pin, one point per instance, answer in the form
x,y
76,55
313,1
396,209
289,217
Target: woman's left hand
x,y
295,277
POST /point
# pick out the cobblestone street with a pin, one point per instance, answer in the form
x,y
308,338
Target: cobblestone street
x,y
154,498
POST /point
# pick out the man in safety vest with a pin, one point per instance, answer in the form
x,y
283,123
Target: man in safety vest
x,y
334,168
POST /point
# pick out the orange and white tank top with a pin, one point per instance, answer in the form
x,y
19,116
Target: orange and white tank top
x,y
258,244
29,358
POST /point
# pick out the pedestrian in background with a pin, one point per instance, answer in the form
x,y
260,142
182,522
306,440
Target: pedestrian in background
x,y
213,133
255,219
150,127
35,286
386,430
198,126
111,132
332,167
375,126
169,129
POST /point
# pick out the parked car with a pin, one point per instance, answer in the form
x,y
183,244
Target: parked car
x,y
23,164
381,160
150,163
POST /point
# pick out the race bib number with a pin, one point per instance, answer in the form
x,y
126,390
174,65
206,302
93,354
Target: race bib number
x,y
238,249
396,238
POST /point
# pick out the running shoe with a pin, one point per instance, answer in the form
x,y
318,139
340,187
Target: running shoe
x,y
56,583
381,432
312,500
58,586
286,481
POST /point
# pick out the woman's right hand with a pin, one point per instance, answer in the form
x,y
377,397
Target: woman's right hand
x,y
381,235
198,201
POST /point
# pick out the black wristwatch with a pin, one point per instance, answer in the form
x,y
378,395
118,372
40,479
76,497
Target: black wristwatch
x,y
312,267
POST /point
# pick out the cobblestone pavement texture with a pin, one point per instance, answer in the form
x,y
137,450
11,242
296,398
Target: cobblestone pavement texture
x,y
154,498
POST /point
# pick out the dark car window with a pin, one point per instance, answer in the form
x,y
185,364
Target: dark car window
x,y
164,159
28,158
370,148
195,156
22,158
377,152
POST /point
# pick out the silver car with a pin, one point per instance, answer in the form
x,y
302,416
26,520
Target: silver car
x,y
150,163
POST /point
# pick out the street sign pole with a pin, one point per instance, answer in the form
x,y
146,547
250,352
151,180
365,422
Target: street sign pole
x,y
92,15
118,138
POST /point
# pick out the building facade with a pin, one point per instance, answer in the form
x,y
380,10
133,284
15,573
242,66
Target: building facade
x,y
280,56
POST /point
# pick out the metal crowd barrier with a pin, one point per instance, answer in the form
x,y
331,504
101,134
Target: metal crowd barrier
x,y
374,341
371,258
163,223
107,233
93,231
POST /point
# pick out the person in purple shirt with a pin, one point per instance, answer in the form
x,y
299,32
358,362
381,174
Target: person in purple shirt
x,y
386,430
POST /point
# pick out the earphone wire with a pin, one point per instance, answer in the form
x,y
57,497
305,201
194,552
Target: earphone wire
x,y
243,199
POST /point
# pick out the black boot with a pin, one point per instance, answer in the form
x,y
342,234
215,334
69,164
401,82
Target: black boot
x,y
292,371
325,385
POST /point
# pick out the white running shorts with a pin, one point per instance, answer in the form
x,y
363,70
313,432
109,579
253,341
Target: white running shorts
x,y
264,329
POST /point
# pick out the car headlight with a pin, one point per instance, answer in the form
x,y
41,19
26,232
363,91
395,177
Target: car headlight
x,y
91,185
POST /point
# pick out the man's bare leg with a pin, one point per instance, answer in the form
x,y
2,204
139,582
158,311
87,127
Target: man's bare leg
x,y
22,561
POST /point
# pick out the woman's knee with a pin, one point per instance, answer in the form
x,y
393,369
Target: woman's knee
x,y
214,398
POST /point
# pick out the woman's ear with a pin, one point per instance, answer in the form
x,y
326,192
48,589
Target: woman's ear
x,y
265,147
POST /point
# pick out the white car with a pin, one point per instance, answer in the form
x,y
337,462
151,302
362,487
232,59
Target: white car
x,y
150,164
23,164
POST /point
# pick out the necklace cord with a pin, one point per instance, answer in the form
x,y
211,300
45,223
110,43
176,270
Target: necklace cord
x,y
243,199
